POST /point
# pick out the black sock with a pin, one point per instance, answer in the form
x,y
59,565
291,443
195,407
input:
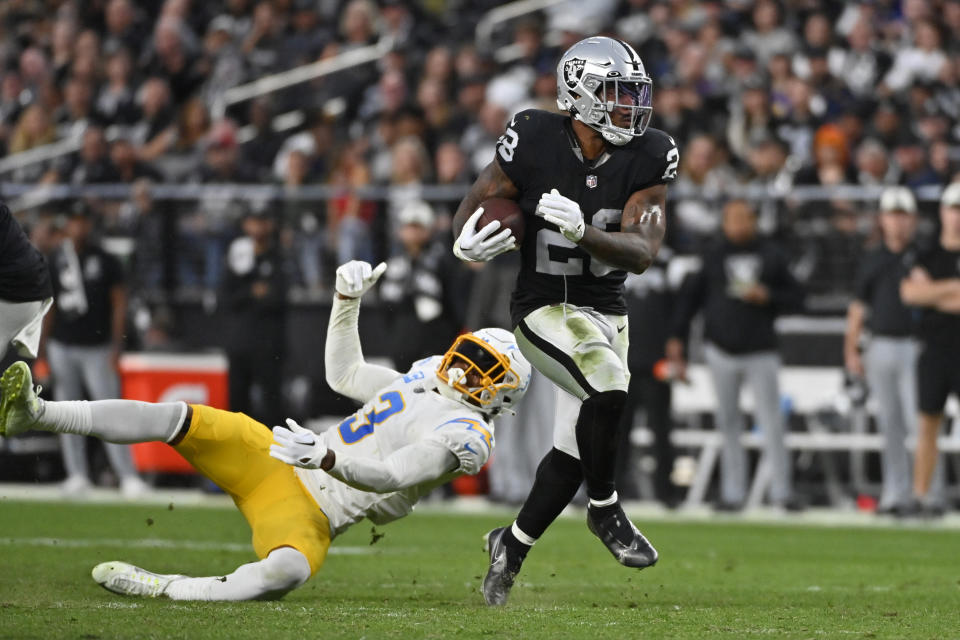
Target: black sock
x,y
558,478
597,430
623,529
517,548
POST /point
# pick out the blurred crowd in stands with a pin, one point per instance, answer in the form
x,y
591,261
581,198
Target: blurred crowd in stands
x,y
762,94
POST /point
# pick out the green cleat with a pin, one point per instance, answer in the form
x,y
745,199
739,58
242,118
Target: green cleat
x,y
20,408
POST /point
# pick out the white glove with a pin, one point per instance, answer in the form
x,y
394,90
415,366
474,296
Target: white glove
x,y
354,278
297,446
563,212
482,245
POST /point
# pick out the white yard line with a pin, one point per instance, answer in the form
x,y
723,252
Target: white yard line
x,y
157,543
640,511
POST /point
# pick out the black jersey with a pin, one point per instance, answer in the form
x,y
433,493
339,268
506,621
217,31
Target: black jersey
x,y
84,282
24,275
939,328
538,153
878,286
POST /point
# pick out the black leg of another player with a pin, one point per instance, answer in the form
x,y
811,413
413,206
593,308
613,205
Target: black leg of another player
x,y
558,478
597,428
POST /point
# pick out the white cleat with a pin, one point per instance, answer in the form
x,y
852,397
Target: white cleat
x,y
128,580
20,408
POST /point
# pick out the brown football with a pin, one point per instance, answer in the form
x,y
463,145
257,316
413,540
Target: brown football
x,y
507,212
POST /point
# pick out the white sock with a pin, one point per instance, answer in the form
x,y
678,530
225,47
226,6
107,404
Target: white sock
x,y
283,570
521,536
606,502
118,421
68,416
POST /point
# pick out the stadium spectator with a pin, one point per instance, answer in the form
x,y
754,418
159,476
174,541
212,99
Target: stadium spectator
x,y
152,229
751,117
33,129
305,219
701,172
409,170
123,27
187,142
169,57
76,112
768,36
62,41
216,215
91,164
742,285
350,218
861,64
84,338
921,61
872,165
262,42
307,35
152,131
116,101
126,164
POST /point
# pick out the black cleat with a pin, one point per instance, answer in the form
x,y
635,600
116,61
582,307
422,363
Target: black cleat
x,y
623,539
504,567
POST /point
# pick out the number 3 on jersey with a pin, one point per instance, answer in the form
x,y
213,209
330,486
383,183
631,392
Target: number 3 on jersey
x,y
351,434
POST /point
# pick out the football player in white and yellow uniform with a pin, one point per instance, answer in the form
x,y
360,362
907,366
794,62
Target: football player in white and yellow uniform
x,y
297,489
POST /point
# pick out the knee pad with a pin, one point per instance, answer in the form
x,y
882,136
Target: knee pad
x,y
284,569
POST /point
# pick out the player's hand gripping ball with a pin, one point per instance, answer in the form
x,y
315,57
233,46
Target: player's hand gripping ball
x,y
482,240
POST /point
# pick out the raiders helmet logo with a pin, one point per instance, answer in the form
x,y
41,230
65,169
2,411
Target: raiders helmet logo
x,y
572,70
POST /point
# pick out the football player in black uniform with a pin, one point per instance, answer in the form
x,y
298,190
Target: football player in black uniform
x,y
592,187
25,290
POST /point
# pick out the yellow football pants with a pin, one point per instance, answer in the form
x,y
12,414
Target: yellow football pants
x,y
232,450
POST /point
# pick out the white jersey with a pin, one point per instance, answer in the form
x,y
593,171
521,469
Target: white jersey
x,y
404,412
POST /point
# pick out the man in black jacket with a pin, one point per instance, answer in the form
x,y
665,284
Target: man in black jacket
x,y
254,301
742,286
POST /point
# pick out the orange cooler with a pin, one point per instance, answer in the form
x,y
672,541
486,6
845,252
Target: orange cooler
x,y
169,377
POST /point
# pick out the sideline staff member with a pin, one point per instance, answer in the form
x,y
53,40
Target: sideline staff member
x,y
934,285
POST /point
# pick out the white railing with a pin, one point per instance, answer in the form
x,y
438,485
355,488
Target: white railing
x,y
494,17
297,75
171,191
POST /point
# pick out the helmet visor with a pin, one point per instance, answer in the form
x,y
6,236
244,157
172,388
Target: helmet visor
x,y
629,104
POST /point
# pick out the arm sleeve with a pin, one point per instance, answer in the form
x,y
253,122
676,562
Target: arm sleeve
x,y
347,372
407,467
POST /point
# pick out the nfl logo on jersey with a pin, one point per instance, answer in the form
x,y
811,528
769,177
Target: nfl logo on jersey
x,y
592,181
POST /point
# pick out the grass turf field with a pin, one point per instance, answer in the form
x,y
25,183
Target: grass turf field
x,y
421,580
